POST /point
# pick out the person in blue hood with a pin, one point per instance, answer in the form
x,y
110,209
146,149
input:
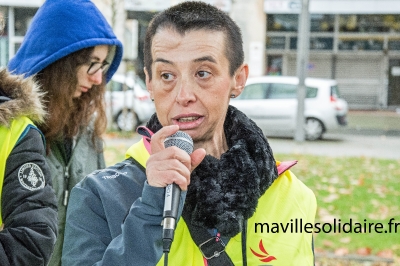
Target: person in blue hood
x,y
72,52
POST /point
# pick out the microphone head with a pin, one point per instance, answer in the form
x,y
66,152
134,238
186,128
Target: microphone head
x,y
181,140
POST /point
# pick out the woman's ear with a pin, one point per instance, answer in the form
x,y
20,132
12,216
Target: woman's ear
x,y
148,83
240,79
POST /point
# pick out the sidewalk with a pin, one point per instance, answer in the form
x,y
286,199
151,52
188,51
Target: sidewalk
x,y
372,123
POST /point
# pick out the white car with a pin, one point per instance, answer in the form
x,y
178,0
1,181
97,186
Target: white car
x,y
136,100
271,102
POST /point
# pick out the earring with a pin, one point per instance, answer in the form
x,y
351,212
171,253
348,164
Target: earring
x,y
233,95
152,99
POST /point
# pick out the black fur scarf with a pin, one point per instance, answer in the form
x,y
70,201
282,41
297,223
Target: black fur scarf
x,y
222,193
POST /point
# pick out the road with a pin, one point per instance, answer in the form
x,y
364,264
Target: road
x,y
338,144
384,147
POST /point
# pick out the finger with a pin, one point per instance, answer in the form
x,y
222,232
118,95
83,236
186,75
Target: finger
x,y
180,165
157,140
168,172
172,152
197,157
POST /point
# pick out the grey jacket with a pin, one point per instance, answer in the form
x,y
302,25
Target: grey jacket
x,y
85,159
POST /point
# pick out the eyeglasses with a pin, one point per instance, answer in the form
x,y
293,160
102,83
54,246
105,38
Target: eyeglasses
x,y
96,66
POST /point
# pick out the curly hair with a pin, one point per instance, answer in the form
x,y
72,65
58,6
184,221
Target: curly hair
x,y
68,115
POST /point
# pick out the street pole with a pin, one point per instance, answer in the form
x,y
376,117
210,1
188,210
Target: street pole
x,y
303,43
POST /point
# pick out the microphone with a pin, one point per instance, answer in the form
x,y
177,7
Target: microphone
x,y
183,141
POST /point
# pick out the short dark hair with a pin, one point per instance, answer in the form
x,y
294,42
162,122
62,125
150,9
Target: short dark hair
x,y
194,15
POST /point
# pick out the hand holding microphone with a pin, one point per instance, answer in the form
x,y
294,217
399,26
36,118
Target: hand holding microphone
x,y
170,165
184,142
171,168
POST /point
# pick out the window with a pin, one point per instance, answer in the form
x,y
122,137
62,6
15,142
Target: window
x,y
254,92
141,83
289,91
369,23
316,43
3,15
118,86
394,45
361,43
335,91
282,22
276,42
3,37
3,51
23,18
290,22
322,23
311,92
282,91
274,65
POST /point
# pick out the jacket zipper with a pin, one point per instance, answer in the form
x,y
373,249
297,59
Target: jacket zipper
x,y
66,181
66,173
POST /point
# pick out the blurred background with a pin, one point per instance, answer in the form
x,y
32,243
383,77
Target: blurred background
x,y
352,163
356,42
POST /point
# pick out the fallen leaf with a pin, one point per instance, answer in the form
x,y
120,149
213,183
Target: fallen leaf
x,y
364,251
341,251
328,243
361,180
345,240
387,253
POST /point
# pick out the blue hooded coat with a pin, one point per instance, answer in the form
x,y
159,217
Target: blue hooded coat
x,y
59,28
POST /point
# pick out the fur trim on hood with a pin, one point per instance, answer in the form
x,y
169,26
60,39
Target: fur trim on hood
x,y
26,99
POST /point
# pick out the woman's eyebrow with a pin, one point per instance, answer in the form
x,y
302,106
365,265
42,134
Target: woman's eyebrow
x,y
200,59
205,58
162,60
96,58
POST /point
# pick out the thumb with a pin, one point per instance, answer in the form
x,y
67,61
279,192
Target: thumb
x,y
197,157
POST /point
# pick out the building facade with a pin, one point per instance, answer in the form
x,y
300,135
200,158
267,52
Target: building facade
x,y
356,42
17,15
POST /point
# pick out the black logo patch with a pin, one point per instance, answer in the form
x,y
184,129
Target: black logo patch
x,y
31,176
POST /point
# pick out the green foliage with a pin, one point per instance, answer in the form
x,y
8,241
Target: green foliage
x,y
365,190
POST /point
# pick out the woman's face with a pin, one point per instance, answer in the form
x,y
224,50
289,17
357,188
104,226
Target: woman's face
x,y
191,84
87,80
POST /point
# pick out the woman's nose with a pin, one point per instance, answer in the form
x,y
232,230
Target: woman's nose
x,y
185,94
97,77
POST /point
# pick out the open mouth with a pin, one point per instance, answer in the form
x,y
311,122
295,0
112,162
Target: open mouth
x,y
188,119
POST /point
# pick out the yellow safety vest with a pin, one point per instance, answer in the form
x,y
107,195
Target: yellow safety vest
x,y
288,205
8,138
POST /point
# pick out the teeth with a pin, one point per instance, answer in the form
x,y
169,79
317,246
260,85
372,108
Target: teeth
x,y
187,119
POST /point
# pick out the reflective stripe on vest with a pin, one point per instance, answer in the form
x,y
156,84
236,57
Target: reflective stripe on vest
x,y
271,231
8,139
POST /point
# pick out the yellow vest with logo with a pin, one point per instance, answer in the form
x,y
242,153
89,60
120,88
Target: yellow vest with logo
x,y
276,232
8,139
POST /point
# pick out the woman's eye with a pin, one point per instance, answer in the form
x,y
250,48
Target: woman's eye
x,y
166,76
203,74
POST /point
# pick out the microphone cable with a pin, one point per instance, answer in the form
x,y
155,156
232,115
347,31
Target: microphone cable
x,y
166,258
